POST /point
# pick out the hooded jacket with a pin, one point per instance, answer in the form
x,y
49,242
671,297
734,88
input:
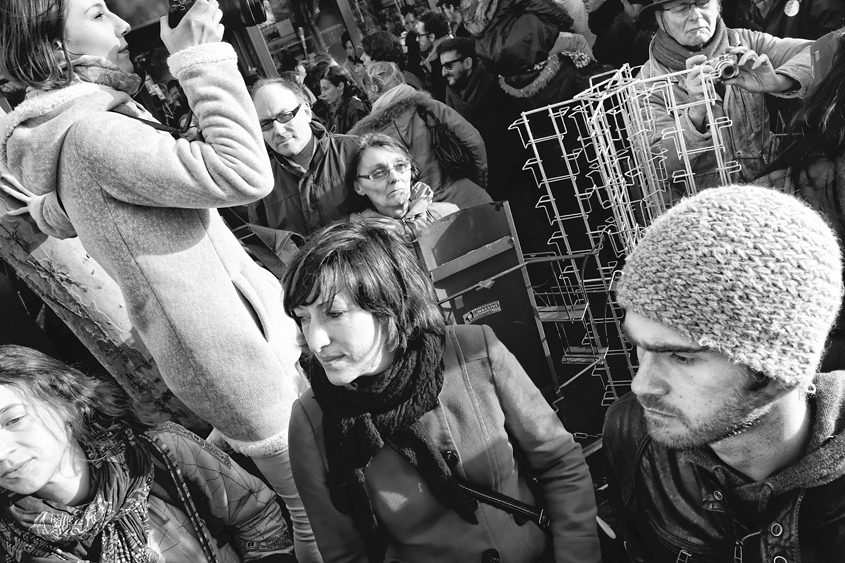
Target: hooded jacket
x,y
687,505
139,201
395,114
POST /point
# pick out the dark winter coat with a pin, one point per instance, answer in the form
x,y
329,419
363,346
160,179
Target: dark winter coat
x,y
813,19
684,505
395,114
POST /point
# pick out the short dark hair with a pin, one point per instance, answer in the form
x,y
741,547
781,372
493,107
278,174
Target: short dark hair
x,y
383,46
407,9
375,269
97,410
295,88
355,202
456,4
463,46
436,23
28,30
345,38
338,75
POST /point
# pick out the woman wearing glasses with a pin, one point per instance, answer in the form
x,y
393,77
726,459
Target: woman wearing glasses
x,y
143,205
409,116
383,190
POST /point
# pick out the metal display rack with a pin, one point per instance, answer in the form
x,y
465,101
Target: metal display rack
x,y
601,182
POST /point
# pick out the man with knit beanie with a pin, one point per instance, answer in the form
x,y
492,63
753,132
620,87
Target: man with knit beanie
x,y
731,447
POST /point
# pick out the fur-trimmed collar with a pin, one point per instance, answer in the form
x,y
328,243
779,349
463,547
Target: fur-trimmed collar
x,y
378,120
477,14
41,104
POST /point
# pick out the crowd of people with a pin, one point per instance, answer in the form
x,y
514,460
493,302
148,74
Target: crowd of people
x,y
378,432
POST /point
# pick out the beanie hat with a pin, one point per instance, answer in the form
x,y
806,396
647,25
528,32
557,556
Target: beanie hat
x,y
746,271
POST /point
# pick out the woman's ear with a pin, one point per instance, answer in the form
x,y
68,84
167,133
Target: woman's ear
x,y
358,189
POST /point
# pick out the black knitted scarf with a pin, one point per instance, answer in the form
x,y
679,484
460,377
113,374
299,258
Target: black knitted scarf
x,y
359,419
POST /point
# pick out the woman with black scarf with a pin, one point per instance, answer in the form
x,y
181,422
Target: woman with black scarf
x,y
404,411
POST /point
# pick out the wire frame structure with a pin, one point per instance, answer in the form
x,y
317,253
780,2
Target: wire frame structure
x,y
604,172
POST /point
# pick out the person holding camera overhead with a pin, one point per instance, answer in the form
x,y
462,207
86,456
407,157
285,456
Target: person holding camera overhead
x,y
692,36
143,205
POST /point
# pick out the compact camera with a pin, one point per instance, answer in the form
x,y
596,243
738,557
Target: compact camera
x,y
237,14
724,67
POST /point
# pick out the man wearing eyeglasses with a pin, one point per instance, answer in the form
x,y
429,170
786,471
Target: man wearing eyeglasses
x,y
433,29
475,93
690,37
309,163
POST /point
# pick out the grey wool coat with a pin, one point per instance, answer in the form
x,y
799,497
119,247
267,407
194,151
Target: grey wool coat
x,y
142,204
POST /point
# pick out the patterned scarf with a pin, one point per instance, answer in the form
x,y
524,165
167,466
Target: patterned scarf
x,y
416,218
39,531
673,55
359,419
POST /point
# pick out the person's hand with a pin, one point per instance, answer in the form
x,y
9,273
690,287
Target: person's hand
x,y
756,73
13,188
694,83
200,25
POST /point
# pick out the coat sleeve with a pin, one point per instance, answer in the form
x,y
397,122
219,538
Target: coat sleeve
x,y
789,56
555,458
550,12
244,504
619,468
337,537
137,164
469,136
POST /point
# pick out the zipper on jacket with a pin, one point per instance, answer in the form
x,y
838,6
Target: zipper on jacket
x,y
683,556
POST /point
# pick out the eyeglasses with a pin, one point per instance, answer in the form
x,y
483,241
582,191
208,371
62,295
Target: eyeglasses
x,y
282,117
684,9
381,174
448,64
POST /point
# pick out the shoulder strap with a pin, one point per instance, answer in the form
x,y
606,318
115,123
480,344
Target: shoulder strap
x,y
473,345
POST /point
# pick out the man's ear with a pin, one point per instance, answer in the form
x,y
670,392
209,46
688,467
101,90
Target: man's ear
x,y
307,109
658,17
468,62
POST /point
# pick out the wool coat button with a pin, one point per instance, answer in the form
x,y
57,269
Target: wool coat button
x,y
451,457
780,559
473,503
490,556
776,529
718,495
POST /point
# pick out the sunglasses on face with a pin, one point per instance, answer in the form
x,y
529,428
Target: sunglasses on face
x,y
448,64
281,117
381,174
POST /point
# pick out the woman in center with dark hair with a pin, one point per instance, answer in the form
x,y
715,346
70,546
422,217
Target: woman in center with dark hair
x,y
383,190
404,408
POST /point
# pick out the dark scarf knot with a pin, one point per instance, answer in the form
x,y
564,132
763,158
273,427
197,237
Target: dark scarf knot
x,y
668,52
359,419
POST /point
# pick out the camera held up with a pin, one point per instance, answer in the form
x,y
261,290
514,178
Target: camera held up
x,y
237,14
724,66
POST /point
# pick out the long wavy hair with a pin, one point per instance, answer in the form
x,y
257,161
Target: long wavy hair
x,y
98,411
29,30
375,269
817,130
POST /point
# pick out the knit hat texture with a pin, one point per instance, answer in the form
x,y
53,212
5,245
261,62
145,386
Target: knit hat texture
x,y
747,271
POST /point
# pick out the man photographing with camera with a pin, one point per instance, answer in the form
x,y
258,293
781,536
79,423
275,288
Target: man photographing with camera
x,y
692,37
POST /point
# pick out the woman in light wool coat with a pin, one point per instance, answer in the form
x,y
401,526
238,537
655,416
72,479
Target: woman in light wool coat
x,y
143,205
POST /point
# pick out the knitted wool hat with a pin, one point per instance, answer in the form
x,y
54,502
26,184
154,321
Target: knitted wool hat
x,y
746,271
